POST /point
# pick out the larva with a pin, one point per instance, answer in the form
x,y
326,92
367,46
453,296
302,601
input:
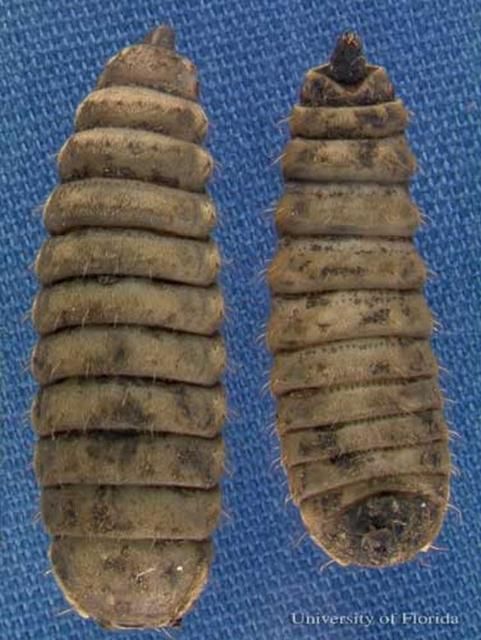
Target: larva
x,y
129,359
363,438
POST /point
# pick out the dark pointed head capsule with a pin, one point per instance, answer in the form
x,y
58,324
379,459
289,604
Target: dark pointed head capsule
x,y
348,64
347,80
161,36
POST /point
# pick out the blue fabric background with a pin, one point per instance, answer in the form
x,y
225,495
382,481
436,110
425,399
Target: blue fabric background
x,y
251,57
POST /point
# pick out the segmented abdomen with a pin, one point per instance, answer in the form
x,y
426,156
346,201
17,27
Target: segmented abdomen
x,y
360,418
129,359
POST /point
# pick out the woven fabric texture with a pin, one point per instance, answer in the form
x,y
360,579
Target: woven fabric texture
x,y
252,56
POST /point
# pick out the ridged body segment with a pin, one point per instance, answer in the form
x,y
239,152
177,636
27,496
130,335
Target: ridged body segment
x,y
129,359
360,420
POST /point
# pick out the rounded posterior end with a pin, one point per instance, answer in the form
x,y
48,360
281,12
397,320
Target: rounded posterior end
x,y
348,64
130,584
392,528
161,36
381,530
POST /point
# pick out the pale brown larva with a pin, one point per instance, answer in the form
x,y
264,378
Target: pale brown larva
x,y
129,360
363,438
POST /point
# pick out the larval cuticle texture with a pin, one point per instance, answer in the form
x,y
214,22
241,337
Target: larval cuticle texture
x,y
129,359
363,438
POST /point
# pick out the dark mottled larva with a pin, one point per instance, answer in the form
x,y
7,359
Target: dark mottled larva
x,y
129,360
363,437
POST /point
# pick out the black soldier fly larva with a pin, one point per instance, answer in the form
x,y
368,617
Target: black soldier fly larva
x,y
129,359
360,420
